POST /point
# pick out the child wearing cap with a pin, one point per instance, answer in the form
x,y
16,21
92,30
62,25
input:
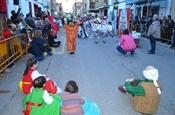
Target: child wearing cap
x,y
146,93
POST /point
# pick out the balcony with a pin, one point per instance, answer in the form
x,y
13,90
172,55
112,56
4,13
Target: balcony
x,y
92,5
129,2
101,4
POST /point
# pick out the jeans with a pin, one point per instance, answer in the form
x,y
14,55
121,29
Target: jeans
x,y
119,48
38,58
173,45
153,43
50,53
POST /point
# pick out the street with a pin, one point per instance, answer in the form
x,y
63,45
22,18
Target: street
x,y
98,69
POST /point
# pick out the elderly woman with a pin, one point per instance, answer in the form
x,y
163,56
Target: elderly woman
x,y
126,44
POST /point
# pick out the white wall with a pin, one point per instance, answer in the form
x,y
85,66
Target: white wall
x,y
122,4
25,6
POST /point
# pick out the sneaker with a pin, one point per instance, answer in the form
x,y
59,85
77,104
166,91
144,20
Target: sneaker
x,y
8,70
125,55
45,54
120,88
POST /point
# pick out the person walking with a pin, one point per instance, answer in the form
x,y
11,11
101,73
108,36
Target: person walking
x,y
71,35
154,33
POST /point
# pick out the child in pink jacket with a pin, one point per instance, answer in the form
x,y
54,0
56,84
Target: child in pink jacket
x,y
126,44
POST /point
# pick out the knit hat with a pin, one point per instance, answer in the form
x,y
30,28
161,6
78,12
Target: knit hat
x,y
151,73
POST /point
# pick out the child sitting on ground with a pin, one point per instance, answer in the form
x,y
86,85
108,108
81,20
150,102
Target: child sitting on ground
x,y
74,104
30,74
39,101
51,40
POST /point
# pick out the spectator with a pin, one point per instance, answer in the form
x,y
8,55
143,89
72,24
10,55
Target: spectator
x,y
75,104
39,101
47,25
136,20
154,33
38,46
126,44
146,93
170,22
14,17
30,74
51,40
173,38
30,21
11,25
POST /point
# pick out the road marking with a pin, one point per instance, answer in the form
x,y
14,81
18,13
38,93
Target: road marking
x,y
63,47
54,51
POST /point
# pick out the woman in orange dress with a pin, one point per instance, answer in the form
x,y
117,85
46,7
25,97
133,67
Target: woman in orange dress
x,y
71,35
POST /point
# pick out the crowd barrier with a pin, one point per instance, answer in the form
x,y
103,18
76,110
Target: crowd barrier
x,y
11,49
166,32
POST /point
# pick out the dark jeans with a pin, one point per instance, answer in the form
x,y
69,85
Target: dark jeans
x,y
84,31
152,43
38,58
173,45
119,48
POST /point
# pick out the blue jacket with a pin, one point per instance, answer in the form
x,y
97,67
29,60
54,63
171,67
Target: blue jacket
x,y
37,47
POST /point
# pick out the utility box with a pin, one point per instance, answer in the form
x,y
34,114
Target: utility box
x,y
136,36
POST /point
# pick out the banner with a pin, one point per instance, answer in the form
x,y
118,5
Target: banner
x,y
123,19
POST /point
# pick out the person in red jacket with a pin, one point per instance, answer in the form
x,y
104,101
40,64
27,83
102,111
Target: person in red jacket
x,y
30,74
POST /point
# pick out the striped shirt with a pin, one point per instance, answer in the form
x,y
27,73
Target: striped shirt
x,y
72,104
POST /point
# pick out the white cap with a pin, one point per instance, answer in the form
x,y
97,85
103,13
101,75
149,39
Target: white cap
x,y
151,73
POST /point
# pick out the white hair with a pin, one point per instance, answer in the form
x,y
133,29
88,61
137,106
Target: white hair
x,y
155,16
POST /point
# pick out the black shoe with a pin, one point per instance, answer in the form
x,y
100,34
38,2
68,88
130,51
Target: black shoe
x,y
71,53
132,54
172,47
120,88
151,53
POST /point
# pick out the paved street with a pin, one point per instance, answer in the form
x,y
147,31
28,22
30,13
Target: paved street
x,y
98,69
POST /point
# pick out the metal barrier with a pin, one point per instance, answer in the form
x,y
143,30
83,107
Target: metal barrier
x,y
11,49
166,32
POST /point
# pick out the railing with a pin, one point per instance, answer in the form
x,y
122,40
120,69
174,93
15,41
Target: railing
x,y
166,32
11,49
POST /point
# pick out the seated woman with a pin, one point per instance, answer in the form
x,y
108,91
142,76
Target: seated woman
x,y
51,40
39,101
30,74
126,44
39,47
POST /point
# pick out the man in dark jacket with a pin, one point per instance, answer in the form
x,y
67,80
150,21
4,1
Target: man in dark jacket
x,y
14,17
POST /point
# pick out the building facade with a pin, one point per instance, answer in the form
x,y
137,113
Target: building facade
x,y
26,6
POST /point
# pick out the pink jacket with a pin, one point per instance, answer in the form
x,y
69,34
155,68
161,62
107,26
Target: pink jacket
x,y
127,43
